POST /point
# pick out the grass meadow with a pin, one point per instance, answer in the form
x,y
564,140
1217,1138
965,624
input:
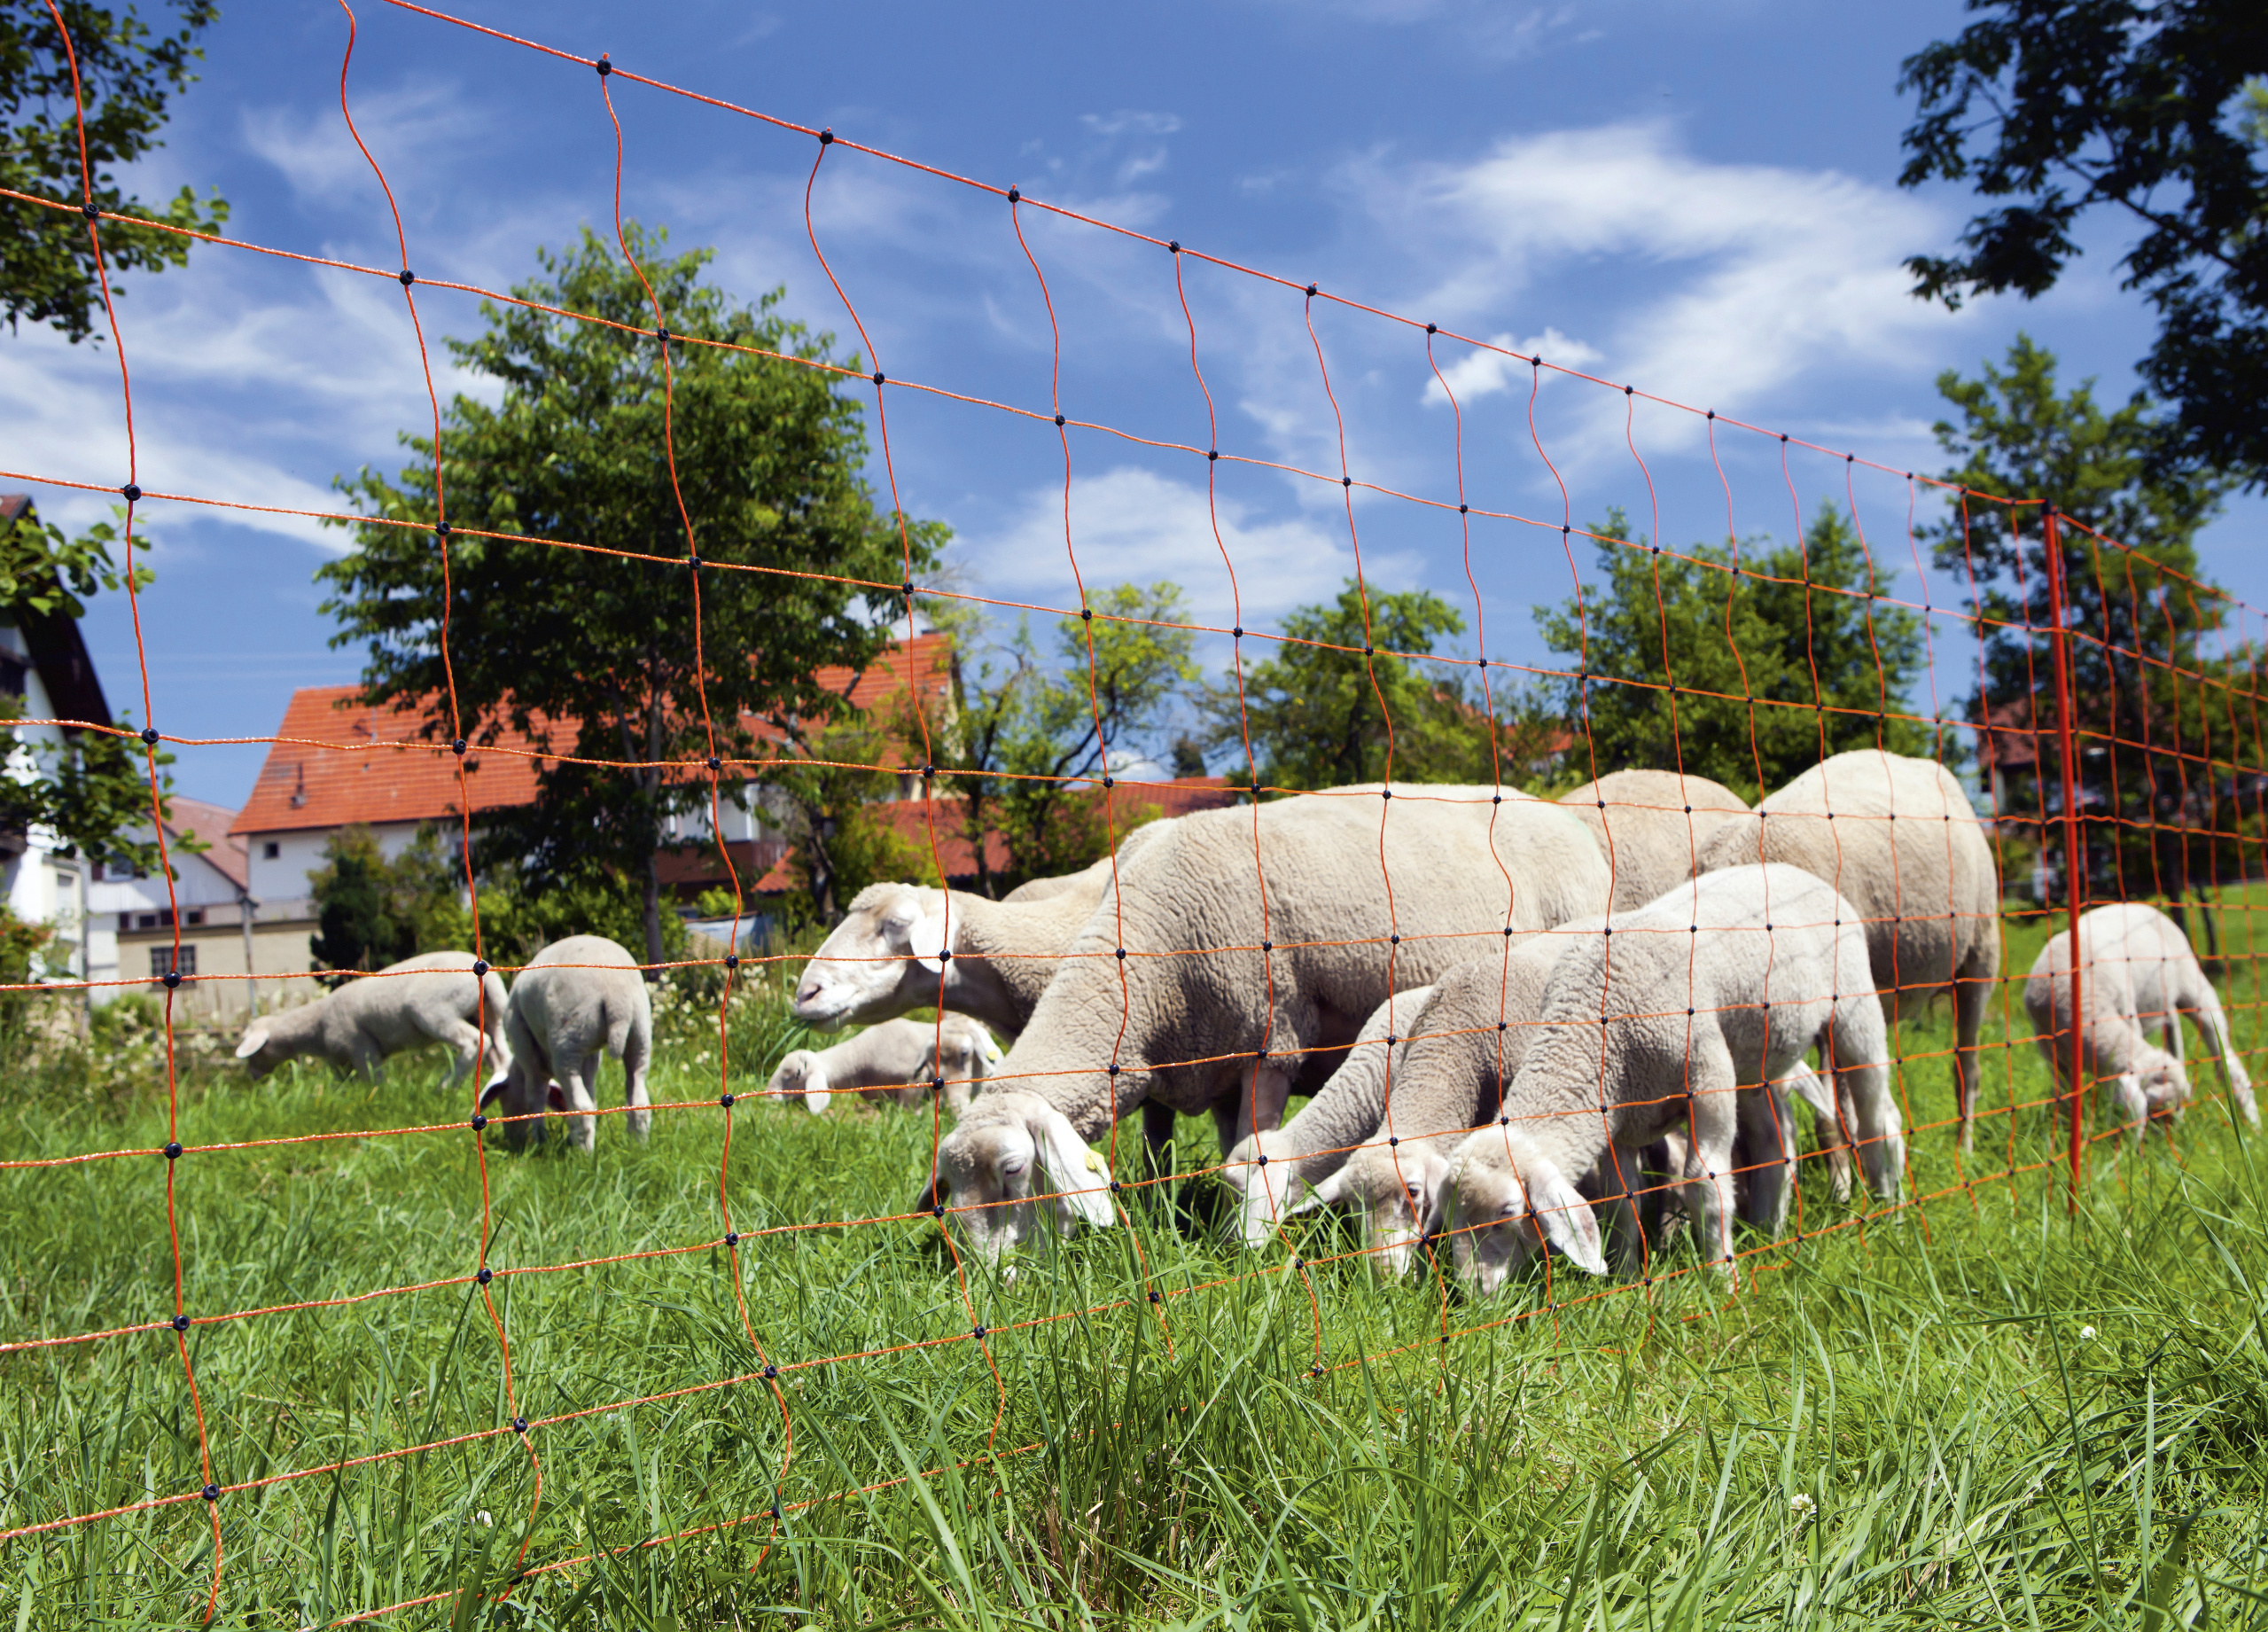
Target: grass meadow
x,y
1985,1411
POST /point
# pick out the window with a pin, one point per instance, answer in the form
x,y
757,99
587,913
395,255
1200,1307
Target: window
x,y
148,920
271,850
195,915
161,962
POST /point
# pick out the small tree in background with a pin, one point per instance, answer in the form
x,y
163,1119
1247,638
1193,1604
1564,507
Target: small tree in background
x,y
2157,750
593,655
1311,708
1793,625
127,75
371,912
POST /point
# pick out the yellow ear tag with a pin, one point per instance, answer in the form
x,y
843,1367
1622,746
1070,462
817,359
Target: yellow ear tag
x,y
1094,1162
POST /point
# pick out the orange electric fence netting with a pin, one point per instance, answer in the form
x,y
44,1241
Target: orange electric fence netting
x,y
2183,723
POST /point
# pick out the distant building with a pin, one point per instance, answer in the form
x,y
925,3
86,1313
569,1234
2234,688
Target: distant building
x,y
338,761
45,671
131,921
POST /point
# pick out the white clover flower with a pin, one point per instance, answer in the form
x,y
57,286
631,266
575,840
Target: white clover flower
x,y
482,1518
1802,1509
2086,1334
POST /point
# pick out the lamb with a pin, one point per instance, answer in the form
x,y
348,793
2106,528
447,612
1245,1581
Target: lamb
x,y
1195,991
1091,881
896,1060
1932,904
1766,961
432,997
1652,825
576,996
2139,975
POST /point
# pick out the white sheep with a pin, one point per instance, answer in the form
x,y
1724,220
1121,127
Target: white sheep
x,y
1090,881
1651,826
575,997
2138,975
432,997
1897,838
898,1060
1685,1012
1194,989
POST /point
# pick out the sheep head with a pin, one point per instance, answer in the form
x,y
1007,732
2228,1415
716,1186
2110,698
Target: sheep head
x,y
1394,1192
1263,1173
1503,1199
2164,1080
1013,1170
260,1053
881,960
800,1073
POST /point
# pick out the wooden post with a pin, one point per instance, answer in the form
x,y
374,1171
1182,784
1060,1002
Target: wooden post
x,y
2075,870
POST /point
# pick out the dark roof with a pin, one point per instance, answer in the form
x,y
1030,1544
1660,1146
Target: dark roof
x,y
193,818
56,648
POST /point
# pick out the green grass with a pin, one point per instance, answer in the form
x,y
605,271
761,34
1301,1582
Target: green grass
x,y
1637,1460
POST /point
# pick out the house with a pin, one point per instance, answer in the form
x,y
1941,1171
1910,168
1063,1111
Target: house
x,y
134,920
338,761
47,676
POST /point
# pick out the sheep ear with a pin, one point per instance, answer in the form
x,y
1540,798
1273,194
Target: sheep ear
x,y
493,1091
926,1202
994,1054
254,1040
1565,1219
926,939
815,1090
1072,1168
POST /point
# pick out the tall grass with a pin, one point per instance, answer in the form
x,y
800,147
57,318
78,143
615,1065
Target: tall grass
x,y
1902,1424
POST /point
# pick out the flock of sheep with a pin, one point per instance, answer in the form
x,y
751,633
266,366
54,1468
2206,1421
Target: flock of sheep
x,y
1521,1022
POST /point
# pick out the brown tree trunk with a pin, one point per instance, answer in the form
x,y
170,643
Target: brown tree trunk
x,y
653,912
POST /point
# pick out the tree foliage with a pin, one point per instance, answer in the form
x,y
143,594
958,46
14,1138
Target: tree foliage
x,y
1033,733
93,790
1317,709
371,911
128,74
595,652
1780,654
2134,617
2150,109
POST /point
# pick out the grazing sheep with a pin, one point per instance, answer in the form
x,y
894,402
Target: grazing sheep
x,y
1765,962
896,1060
1651,826
886,955
1896,837
2138,976
576,996
1198,991
432,997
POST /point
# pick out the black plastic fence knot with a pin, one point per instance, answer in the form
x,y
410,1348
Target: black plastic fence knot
x,y
1347,482
693,562
725,1100
1432,329
1014,196
1059,420
1212,453
486,1275
1237,633
731,961
1122,952
520,1425
1173,246
716,764
407,277
945,955
1393,1141
977,1332
210,1493
878,377
1087,615
131,492
180,1322
150,735
732,1238
91,210
1112,1068
826,138
938,1209
478,1121
173,1150
1157,1296
479,967
173,979
604,67
1311,292
937,1083
1109,783
1268,946
1463,510
457,746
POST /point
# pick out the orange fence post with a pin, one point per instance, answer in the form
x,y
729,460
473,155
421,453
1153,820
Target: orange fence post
x,y
2074,842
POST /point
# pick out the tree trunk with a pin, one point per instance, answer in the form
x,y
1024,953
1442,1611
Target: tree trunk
x,y
653,911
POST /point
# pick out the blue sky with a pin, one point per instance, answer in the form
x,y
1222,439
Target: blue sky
x,y
1699,199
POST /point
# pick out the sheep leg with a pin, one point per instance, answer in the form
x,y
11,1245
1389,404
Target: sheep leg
x,y
1859,1044
1709,1153
1768,1125
636,1050
1260,1108
465,1043
1158,1138
2213,1025
1972,996
577,1078
367,1060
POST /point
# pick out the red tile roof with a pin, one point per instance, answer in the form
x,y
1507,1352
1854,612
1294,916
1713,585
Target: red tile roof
x,y
337,760
194,818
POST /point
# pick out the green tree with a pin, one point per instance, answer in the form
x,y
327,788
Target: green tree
x,y
2152,110
2153,806
371,911
1029,743
1311,709
127,75
93,790
592,652
1780,654
821,803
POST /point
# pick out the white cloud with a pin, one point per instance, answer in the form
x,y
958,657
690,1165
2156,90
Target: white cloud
x,y
1484,373
1135,120
403,128
1133,525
